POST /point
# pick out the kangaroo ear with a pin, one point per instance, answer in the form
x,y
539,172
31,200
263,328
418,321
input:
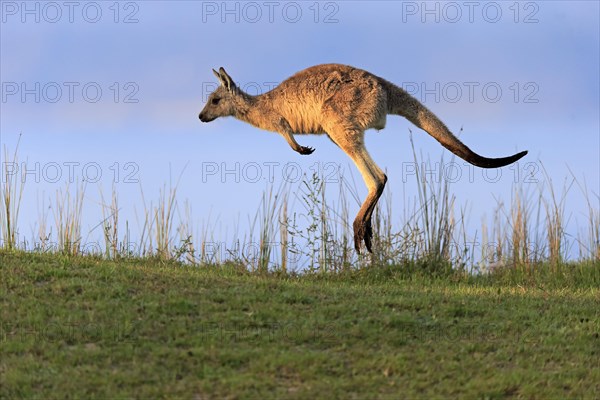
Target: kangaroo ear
x,y
221,78
226,79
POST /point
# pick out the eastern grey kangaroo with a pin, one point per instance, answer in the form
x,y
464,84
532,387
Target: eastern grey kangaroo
x,y
342,102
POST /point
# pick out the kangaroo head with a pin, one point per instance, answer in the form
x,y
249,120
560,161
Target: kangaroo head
x,y
222,102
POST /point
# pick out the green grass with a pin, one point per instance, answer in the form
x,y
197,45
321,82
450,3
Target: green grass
x,y
84,327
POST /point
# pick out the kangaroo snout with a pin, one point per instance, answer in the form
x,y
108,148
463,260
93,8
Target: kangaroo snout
x,y
206,118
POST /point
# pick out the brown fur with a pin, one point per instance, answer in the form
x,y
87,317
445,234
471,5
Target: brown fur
x,y
342,102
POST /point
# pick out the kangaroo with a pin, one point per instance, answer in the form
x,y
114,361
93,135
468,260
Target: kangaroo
x,y
342,102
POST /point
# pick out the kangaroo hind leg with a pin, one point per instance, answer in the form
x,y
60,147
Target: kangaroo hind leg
x,y
353,144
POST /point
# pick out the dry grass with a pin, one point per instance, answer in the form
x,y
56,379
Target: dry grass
x,y
110,225
589,239
300,227
12,192
67,212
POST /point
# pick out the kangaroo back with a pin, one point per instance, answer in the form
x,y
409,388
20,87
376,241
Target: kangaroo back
x,y
402,103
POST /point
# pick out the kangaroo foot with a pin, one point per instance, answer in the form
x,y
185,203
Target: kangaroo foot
x,y
363,231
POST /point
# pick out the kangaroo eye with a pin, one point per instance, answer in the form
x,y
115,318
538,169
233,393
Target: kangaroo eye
x,y
215,101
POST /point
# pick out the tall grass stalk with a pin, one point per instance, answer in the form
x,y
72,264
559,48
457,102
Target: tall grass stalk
x,y
12,193
110,225
436,211
519,222
284,233
589,248
312,197
267,219
158,223
163,215
555,220
386,242
464,257
186,251
326,252
516,239
42,237
67,218
207,253
342,228
146,225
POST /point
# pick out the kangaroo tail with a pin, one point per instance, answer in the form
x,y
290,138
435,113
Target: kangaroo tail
x,y
402,103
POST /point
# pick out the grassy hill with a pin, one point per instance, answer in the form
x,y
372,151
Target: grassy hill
x,y
83,327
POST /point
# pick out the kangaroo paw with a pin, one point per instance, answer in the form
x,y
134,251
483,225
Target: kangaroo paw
x,y
305,150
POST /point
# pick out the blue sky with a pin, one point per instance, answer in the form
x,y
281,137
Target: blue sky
x,y
514,76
